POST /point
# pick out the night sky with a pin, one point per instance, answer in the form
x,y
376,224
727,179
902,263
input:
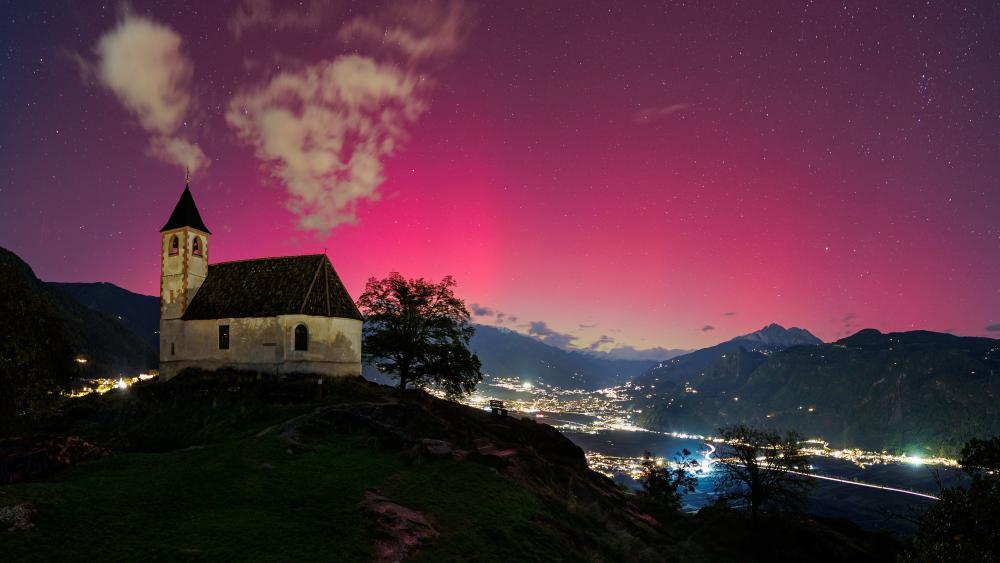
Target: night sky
x,y
599,174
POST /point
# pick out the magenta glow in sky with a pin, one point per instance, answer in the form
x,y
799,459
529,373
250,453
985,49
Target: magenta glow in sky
x,y
602,175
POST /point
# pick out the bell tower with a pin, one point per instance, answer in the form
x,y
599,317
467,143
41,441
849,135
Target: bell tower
x,y
183,257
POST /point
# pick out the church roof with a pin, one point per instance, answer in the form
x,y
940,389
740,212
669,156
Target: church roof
x,y
185,214
267,287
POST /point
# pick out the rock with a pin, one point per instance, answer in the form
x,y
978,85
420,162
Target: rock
x,y
401,530
26,458
436,447
17,516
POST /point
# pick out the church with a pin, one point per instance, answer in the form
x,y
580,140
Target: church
x,y
268,315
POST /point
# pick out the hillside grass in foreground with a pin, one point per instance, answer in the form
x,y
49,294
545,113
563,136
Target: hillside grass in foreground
x,y
252,499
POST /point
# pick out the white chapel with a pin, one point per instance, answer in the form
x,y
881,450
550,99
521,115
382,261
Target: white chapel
x,y
268,315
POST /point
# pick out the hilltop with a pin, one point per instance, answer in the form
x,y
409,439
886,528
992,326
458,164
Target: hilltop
x,y
222,466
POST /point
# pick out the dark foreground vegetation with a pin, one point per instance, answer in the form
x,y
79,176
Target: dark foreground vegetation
x,y
225,466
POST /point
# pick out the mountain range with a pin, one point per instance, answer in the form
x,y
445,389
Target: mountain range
x,y
772,338
910,391
916,392
506,353
108,347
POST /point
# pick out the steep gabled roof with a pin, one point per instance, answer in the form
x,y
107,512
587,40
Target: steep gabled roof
x,y
267,287
185,214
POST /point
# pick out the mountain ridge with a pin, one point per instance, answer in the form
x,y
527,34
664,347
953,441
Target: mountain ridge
x,y
769,339
906,391
108,347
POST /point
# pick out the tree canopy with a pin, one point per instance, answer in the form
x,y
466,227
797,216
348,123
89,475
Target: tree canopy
x,y
419,331
665,483
762,470
964,524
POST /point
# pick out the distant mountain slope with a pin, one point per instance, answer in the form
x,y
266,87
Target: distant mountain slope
x,y
771,338
912,391
139,313
110,348
507,353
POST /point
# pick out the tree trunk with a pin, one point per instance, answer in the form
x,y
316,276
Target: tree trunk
x,y
402,381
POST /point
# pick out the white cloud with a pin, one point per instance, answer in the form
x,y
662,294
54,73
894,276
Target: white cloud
x,y
419,31
142,63
175,150
253,14
324,130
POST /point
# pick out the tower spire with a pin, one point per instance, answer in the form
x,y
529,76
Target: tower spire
x,y
187,175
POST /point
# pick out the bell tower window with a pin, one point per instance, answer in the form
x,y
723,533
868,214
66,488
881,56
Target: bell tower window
x,y
196,246
301,338
175,244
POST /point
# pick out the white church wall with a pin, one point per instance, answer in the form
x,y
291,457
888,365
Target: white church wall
x,y
263,344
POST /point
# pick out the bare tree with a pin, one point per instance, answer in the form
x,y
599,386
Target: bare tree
x,y
762,470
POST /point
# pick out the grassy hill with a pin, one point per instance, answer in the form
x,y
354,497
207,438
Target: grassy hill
x,y
229,467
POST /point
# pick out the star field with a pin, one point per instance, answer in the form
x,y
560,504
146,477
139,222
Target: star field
x,y
629,174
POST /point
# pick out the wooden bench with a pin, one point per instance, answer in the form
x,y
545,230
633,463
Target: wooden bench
x,y
497,407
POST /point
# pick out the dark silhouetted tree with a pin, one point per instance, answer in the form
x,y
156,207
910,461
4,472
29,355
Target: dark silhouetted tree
x,y
665,483
419,331
762,470
964,524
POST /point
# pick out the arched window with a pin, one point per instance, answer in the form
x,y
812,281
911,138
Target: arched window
x,y
196,246
301,337
174,245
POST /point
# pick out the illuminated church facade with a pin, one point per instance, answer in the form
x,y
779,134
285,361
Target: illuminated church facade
x,y
269,315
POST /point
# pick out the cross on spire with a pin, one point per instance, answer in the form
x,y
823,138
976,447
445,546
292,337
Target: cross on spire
x,y
187,175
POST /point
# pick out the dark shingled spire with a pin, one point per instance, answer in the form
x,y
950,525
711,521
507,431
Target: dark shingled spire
x,y
185,214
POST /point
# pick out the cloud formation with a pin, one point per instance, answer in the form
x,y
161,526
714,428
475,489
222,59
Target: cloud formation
x,y
478,310
603,340
256,14
993,327
652,114
176,150
707,328
142,63
419,31
543,332
325,130
729,314
498,317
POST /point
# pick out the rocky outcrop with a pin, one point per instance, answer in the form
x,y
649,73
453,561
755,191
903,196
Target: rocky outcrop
x,y
401,530
17,517
22,459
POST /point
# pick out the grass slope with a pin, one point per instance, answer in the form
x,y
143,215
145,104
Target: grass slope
x,y
201,477
228,467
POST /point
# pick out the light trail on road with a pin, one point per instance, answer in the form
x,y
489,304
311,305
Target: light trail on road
x,y
707,456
